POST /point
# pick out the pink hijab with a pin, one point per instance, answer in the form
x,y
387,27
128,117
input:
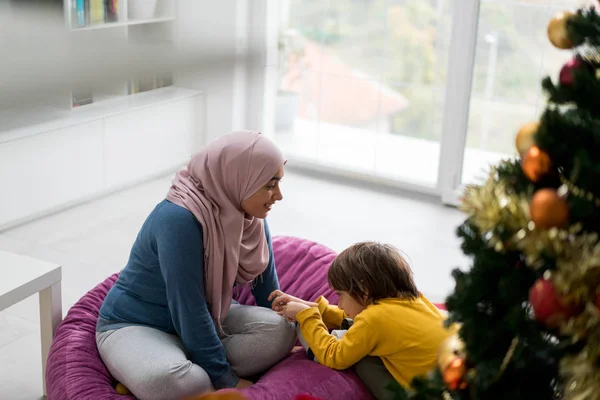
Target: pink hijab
x,y
212,186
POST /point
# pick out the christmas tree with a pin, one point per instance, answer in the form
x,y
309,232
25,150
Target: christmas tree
x,y
529,306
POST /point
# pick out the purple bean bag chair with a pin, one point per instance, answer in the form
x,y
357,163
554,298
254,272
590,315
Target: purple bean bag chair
x,y
75,370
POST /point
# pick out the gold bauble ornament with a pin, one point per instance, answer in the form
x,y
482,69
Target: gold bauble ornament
x,y
536,164
557,30
549,210
524,140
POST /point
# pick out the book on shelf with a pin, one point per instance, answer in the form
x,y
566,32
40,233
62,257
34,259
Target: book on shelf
x,y
151,82
82,97
94,12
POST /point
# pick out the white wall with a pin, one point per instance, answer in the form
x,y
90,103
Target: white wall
x,y
218,32
262,74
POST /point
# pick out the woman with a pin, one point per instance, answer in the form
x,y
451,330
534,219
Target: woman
x,y
168,328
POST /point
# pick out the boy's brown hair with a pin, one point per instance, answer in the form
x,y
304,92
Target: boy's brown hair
x,y
372,271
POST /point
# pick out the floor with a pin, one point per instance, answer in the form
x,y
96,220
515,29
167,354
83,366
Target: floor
x,y
92,241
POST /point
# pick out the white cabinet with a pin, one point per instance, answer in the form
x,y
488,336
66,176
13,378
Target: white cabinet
x,y
42,172
105,147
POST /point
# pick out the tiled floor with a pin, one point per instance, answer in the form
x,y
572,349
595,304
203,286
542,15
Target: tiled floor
x,y
92,241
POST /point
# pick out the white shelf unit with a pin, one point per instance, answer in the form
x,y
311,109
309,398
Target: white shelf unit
x,y
54,156
154,24
157,11
112,25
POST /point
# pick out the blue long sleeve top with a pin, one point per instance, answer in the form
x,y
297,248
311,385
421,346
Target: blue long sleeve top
x,y
162,286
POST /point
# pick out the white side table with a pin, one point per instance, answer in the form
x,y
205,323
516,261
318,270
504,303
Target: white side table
x,y
22,277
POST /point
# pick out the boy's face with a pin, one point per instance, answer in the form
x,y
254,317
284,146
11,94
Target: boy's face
x,y
348,304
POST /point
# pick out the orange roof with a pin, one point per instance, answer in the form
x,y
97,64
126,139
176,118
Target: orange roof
x,y
340,94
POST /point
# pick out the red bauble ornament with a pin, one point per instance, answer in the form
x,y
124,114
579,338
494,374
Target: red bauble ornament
x,y
454,375
566,76
451,358
548,307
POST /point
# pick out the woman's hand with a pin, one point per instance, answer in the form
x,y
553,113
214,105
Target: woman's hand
x,y
280,299
291,309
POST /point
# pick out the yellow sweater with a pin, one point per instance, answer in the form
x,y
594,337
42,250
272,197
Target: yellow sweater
x,y
405,334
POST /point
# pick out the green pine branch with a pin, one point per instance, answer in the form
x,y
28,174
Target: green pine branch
x,y
585,27
584,31
572,138
511,172
584,92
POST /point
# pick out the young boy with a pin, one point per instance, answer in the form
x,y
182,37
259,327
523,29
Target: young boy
x,y
392,320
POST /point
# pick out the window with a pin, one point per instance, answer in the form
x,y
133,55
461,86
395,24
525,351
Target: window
x,y
425,93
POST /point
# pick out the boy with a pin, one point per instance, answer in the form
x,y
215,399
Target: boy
x,y
392,320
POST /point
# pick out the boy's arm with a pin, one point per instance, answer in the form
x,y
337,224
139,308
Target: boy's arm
x,y
356,344
332,315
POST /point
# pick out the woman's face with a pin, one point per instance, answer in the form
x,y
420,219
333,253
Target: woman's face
x,y
259,204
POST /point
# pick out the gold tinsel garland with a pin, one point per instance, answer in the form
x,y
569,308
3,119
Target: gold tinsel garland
x,y
495,205
581,373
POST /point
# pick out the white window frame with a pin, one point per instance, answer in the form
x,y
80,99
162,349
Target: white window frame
x,y
463,42
263,28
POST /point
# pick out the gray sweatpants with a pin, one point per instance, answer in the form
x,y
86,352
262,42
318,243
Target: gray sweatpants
x,y
370,369
153,364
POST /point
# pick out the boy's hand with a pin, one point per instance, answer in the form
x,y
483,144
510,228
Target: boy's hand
x,y
292,309
280,299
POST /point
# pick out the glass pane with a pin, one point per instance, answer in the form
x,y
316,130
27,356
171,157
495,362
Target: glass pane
x,y
543,3
353,38
492,125
372,74
408,147
418,41
512,56
296,114
348,120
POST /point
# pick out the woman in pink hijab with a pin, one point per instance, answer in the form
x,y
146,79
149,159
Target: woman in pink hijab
x,y
169,327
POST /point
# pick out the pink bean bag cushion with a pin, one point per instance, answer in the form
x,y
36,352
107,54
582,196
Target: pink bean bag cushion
x,y
302,268
75,370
